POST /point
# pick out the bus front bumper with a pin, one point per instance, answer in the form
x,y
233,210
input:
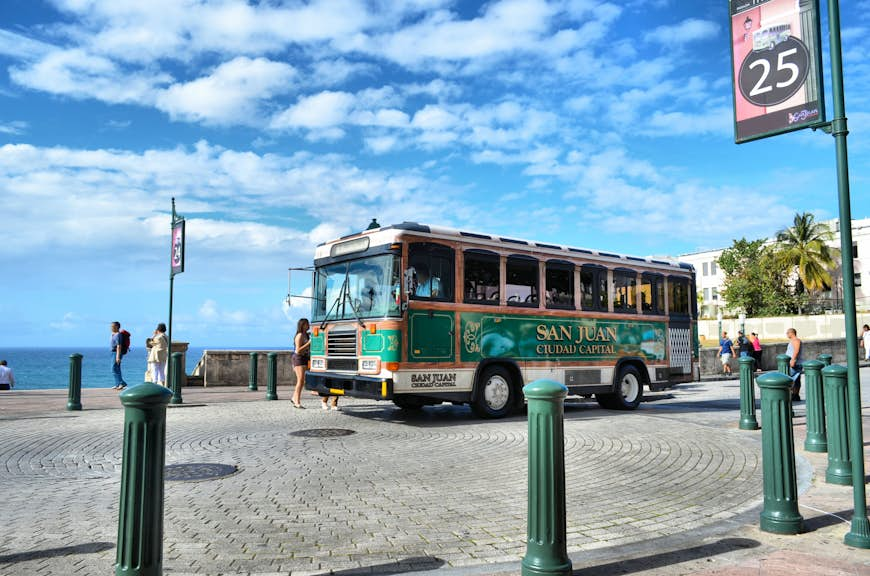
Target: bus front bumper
x,y
334,384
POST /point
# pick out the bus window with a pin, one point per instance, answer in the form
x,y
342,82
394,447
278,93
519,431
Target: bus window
x,y
559,288
652,294
678,296
521,284
624,290
593,287
481,277
431,268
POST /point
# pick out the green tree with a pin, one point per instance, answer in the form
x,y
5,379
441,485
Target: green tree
x,y
804,248
755,281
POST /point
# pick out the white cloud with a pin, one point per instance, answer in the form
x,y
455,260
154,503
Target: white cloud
x,y
14,128
323,110
22,47
689,30
232,94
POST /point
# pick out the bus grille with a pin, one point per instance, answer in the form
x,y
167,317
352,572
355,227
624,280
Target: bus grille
x,y
341,344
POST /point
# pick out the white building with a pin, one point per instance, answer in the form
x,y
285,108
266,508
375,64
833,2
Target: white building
x,y
710,278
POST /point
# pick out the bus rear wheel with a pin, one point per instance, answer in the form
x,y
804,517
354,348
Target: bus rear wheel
x,y
495,395
629,391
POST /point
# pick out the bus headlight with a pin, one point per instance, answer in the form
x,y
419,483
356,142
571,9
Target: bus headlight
x,y
318,363
370,365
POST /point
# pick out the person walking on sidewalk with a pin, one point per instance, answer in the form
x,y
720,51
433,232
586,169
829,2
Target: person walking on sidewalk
x,y
117,353
300,358
796,362
726,349
7,378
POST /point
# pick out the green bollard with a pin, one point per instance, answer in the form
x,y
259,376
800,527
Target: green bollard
x,y
140,513
272,383
780,514
782,361
546,542
747,394
839,464
74,397
177,376
825,359
816,440
252,378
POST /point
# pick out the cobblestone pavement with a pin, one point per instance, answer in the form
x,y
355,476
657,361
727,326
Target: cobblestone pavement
x,y
400,493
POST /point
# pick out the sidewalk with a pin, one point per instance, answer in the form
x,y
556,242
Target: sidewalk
x,y
421,495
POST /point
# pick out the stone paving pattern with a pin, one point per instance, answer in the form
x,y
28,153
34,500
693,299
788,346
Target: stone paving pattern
x,y
406,492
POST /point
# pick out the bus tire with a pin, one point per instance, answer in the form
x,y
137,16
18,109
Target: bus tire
x,y
495,393
408,402
629,391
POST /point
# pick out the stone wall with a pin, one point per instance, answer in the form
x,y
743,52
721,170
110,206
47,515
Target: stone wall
x,y
711,365
233,368
820,327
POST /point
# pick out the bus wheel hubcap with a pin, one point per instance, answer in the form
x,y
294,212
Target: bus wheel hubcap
x,y
496,392
629,387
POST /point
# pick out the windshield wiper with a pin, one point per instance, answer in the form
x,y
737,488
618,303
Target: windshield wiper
x,y
340,298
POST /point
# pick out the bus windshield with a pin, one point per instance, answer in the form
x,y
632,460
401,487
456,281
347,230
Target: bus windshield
x,y
364,288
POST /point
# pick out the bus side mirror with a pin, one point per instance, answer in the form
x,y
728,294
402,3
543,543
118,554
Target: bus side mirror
x,y
410,282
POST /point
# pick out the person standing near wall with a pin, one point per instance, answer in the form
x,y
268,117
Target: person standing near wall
x,y
7,378
118,352
795,364
158,355
865,338
756,350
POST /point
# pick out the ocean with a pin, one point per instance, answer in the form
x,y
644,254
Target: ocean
x,y
45,368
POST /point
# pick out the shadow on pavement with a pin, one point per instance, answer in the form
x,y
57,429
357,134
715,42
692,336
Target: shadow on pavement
x,y
89,548
668,558
827,519
417,564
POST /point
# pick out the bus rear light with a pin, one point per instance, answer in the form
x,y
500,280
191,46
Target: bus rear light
x,y
392,366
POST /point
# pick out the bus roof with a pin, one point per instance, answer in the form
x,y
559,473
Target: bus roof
x,y
388,233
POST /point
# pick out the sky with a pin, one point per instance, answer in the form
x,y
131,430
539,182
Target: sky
x,y
278,125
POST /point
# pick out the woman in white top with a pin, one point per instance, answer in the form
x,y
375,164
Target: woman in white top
x,y
158,354
866,337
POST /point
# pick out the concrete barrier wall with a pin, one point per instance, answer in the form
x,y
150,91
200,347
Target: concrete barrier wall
x,y
820,327
711,365
233,368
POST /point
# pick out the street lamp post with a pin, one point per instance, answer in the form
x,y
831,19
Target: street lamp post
x,y
742,318
719,318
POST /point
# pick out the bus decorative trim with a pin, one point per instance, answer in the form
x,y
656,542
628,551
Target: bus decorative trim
x,y
336,391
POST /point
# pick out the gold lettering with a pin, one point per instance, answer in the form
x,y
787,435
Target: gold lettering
x,y
565,332
611,333
542,332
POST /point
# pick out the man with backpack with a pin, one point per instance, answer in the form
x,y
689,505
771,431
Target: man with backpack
x,y
120,345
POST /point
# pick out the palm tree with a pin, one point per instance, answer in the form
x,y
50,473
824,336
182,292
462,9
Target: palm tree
x,y
805,248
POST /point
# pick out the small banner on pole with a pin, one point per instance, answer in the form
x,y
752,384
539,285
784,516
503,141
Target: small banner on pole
x,y
775,57
177,254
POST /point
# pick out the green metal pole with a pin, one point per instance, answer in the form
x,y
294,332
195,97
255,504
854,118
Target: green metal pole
x,y
74,396
782,361
169,377
825,359
272,382
547,541
747,394
252,378
177,371
859,534
839,469
780,514
816,440
140,513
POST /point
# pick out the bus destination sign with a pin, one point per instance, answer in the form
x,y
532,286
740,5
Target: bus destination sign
x,y
776,55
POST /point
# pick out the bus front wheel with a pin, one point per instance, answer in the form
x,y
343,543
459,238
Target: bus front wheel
x,y
495,393
629,391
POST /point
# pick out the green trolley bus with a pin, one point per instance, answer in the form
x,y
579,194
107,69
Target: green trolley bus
x,y
420,315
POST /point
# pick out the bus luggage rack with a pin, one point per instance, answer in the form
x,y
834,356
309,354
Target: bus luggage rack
x,y
341,344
